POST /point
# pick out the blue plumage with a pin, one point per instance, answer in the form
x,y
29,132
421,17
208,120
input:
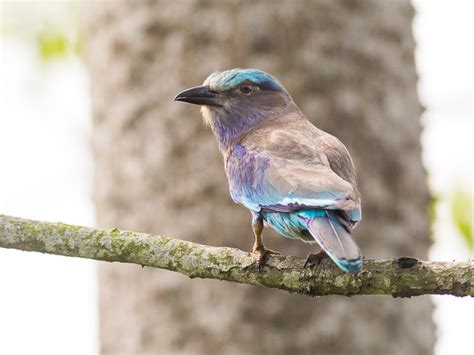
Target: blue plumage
x,y
260,181
298,179
229,79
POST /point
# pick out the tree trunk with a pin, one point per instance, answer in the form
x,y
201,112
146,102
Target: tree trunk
x,y
350,67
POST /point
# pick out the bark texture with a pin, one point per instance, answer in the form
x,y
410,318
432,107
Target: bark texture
x,y
402,277
350,67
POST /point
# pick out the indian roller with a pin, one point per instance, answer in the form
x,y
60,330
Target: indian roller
x,y
292,176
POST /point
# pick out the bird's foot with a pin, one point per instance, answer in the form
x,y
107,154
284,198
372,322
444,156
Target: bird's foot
x,y
315,259
263,254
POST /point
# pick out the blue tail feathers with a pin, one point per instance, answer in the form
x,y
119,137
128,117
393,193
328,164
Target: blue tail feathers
x,y
333,238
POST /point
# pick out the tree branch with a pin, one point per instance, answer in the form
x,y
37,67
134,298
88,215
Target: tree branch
x,y
403,277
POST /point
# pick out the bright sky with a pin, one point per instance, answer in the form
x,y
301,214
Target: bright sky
x,y
48,304
443,30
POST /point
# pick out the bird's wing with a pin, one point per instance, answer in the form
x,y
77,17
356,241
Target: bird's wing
x,y
283,170
338,158
341,163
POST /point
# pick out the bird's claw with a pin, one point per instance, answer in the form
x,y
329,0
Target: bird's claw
x,y
262,255
315,259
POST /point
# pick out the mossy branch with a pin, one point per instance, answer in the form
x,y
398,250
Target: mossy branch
x,y
403,277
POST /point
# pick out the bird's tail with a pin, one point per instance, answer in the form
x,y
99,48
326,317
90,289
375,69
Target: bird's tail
x,y
335,240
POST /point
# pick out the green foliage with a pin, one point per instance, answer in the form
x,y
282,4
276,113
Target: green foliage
x,y
461,211
433,205
57,43
52,29
52,44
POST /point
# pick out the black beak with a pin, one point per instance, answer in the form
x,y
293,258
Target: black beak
x,y
199,95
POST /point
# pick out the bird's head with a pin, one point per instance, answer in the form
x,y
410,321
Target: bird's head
x,y
235,100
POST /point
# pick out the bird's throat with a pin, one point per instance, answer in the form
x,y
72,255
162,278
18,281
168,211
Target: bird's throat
x,y
229,128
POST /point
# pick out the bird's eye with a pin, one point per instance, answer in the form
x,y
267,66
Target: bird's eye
x,y
246,89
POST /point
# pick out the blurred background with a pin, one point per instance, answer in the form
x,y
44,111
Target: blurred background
x,y
89,135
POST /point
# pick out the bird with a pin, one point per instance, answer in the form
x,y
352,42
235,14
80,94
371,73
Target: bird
x,y
291,175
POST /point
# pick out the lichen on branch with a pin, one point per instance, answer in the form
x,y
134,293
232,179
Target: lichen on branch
x,y
402,277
